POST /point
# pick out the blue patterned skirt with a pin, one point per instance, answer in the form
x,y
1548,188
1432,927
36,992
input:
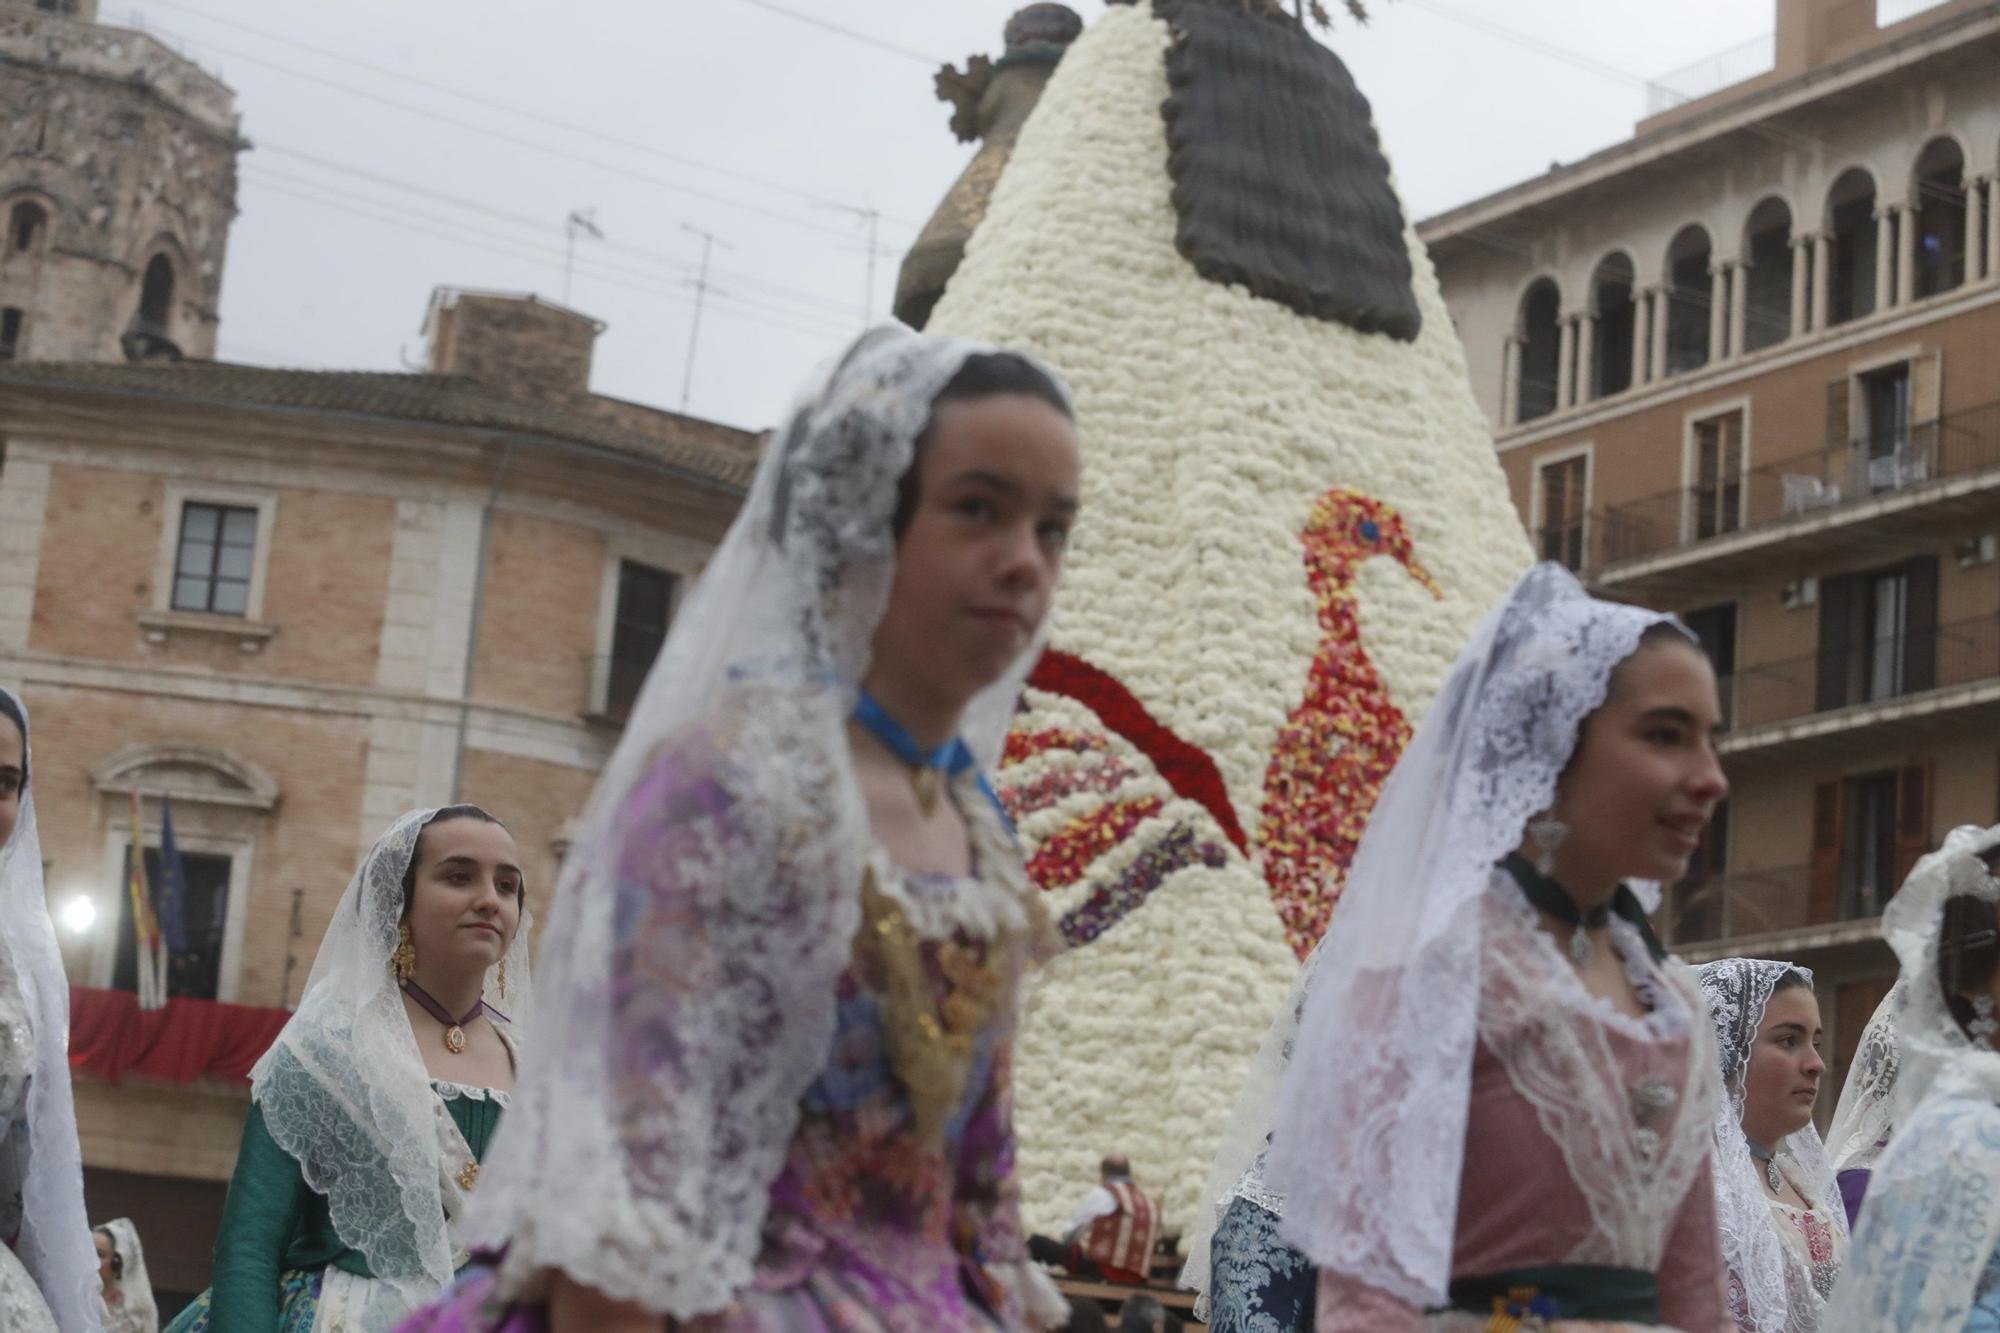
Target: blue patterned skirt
x,y
298,1303
1257,1283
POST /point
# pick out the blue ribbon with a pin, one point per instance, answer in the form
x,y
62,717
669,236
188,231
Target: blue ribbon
x,y
951,759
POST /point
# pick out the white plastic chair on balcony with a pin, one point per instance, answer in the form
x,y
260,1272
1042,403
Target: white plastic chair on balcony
x,y
1904,467
1807,493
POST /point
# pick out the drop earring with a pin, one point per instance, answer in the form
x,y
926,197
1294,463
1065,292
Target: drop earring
x,y
503,978
1547,833
403,961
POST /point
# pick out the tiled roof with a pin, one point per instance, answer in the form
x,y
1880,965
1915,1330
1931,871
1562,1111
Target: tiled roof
x,y
705,449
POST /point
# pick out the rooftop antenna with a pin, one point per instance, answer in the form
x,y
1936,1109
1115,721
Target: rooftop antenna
x,y
873,217
581,221
709,240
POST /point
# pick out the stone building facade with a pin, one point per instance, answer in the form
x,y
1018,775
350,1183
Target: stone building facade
x,y
294,603
1741,367
300,603
117,189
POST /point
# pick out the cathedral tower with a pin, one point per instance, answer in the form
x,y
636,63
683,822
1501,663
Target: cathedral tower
x,y
117,188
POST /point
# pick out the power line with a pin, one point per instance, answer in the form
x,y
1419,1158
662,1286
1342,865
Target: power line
x,y
852,34
496,104
566,155
539,226
551,258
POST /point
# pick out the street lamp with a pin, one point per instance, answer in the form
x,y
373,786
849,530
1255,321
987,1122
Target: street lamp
x,y
79,914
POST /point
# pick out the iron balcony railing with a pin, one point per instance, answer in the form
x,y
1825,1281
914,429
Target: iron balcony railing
x,y
1862,671
1760,902
1789,489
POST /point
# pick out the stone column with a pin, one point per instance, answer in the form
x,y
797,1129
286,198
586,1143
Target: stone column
x,y
1566,363
1718,309
1662,302
1586,357
1803,250
1885,257
1906,271
1510,378
1739,305
1642,323
1977,265
1821,315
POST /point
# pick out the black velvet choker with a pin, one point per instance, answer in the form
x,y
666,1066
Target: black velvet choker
x,y
1552,898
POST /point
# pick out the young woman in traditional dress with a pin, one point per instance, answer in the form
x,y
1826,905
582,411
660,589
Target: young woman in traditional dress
x,y
372,1112
1784,1232
1864,1118
782,985
129,1306
48,1269
1926,1253
1500,1102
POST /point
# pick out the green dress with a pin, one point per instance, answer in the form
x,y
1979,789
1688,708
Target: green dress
x,y
277,1238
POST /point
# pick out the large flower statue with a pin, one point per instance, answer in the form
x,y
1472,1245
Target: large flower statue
x,y
1293,519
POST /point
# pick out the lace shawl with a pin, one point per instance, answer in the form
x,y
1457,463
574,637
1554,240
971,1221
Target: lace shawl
x,y
712,894
1370,1139
1771,1289
1932,1219
344,1090
54,1245
1865,1116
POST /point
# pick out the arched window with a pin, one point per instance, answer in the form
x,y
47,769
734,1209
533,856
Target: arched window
x,y
1535,389
1767,241
1689,285
1611,300
1939,190
156,296
26,226
1850,221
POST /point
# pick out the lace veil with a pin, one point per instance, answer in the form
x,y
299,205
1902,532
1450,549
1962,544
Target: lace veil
x,y
54,1244
655,1112
1370,1139
1764,1274
1246,1134
1931,1221
344,1090
1865,1117
137,1309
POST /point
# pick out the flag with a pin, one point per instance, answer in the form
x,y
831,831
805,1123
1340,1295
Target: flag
x,y
145,929
170,894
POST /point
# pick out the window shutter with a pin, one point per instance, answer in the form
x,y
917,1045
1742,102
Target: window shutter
x,y
1836,642
1920,627
1823,871
1838,435
1913,817
1926,406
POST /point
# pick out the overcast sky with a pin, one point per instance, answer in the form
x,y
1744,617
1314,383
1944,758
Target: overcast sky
x,y
399,146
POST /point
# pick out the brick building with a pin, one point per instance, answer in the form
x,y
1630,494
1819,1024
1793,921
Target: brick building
x,y
297,603
1741,366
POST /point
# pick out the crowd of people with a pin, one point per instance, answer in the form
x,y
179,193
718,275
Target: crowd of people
x,y
759,1078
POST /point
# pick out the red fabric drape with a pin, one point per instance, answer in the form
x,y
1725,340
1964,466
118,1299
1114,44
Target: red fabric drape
x,y
110,1036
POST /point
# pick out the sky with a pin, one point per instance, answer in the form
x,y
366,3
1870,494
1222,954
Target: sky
x,y
397,147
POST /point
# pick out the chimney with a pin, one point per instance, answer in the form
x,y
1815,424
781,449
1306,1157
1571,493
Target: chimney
x,y
1812,33
520,345
991,101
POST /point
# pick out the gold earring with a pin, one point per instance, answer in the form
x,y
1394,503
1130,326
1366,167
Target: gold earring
x,y
503,978
403,962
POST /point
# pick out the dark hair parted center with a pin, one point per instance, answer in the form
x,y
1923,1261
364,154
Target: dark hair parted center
x,y
1968,953
983,375
443,816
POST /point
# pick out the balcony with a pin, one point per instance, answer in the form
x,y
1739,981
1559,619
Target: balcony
x,y
1695,539
1903,686
1763,913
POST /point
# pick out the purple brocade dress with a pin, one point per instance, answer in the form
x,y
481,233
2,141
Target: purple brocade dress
x,y
894,1211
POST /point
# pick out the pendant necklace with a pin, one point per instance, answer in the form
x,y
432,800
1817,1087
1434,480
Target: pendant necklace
x,y
1772,1176
1554,900
454,1028
929,769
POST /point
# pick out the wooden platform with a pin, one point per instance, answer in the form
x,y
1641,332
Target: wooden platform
x,y
1111,1297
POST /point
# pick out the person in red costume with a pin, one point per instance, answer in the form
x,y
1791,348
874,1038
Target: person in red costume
x,y
1111,1235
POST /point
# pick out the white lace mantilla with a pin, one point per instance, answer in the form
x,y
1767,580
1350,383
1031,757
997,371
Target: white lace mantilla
x,y
1632,1150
